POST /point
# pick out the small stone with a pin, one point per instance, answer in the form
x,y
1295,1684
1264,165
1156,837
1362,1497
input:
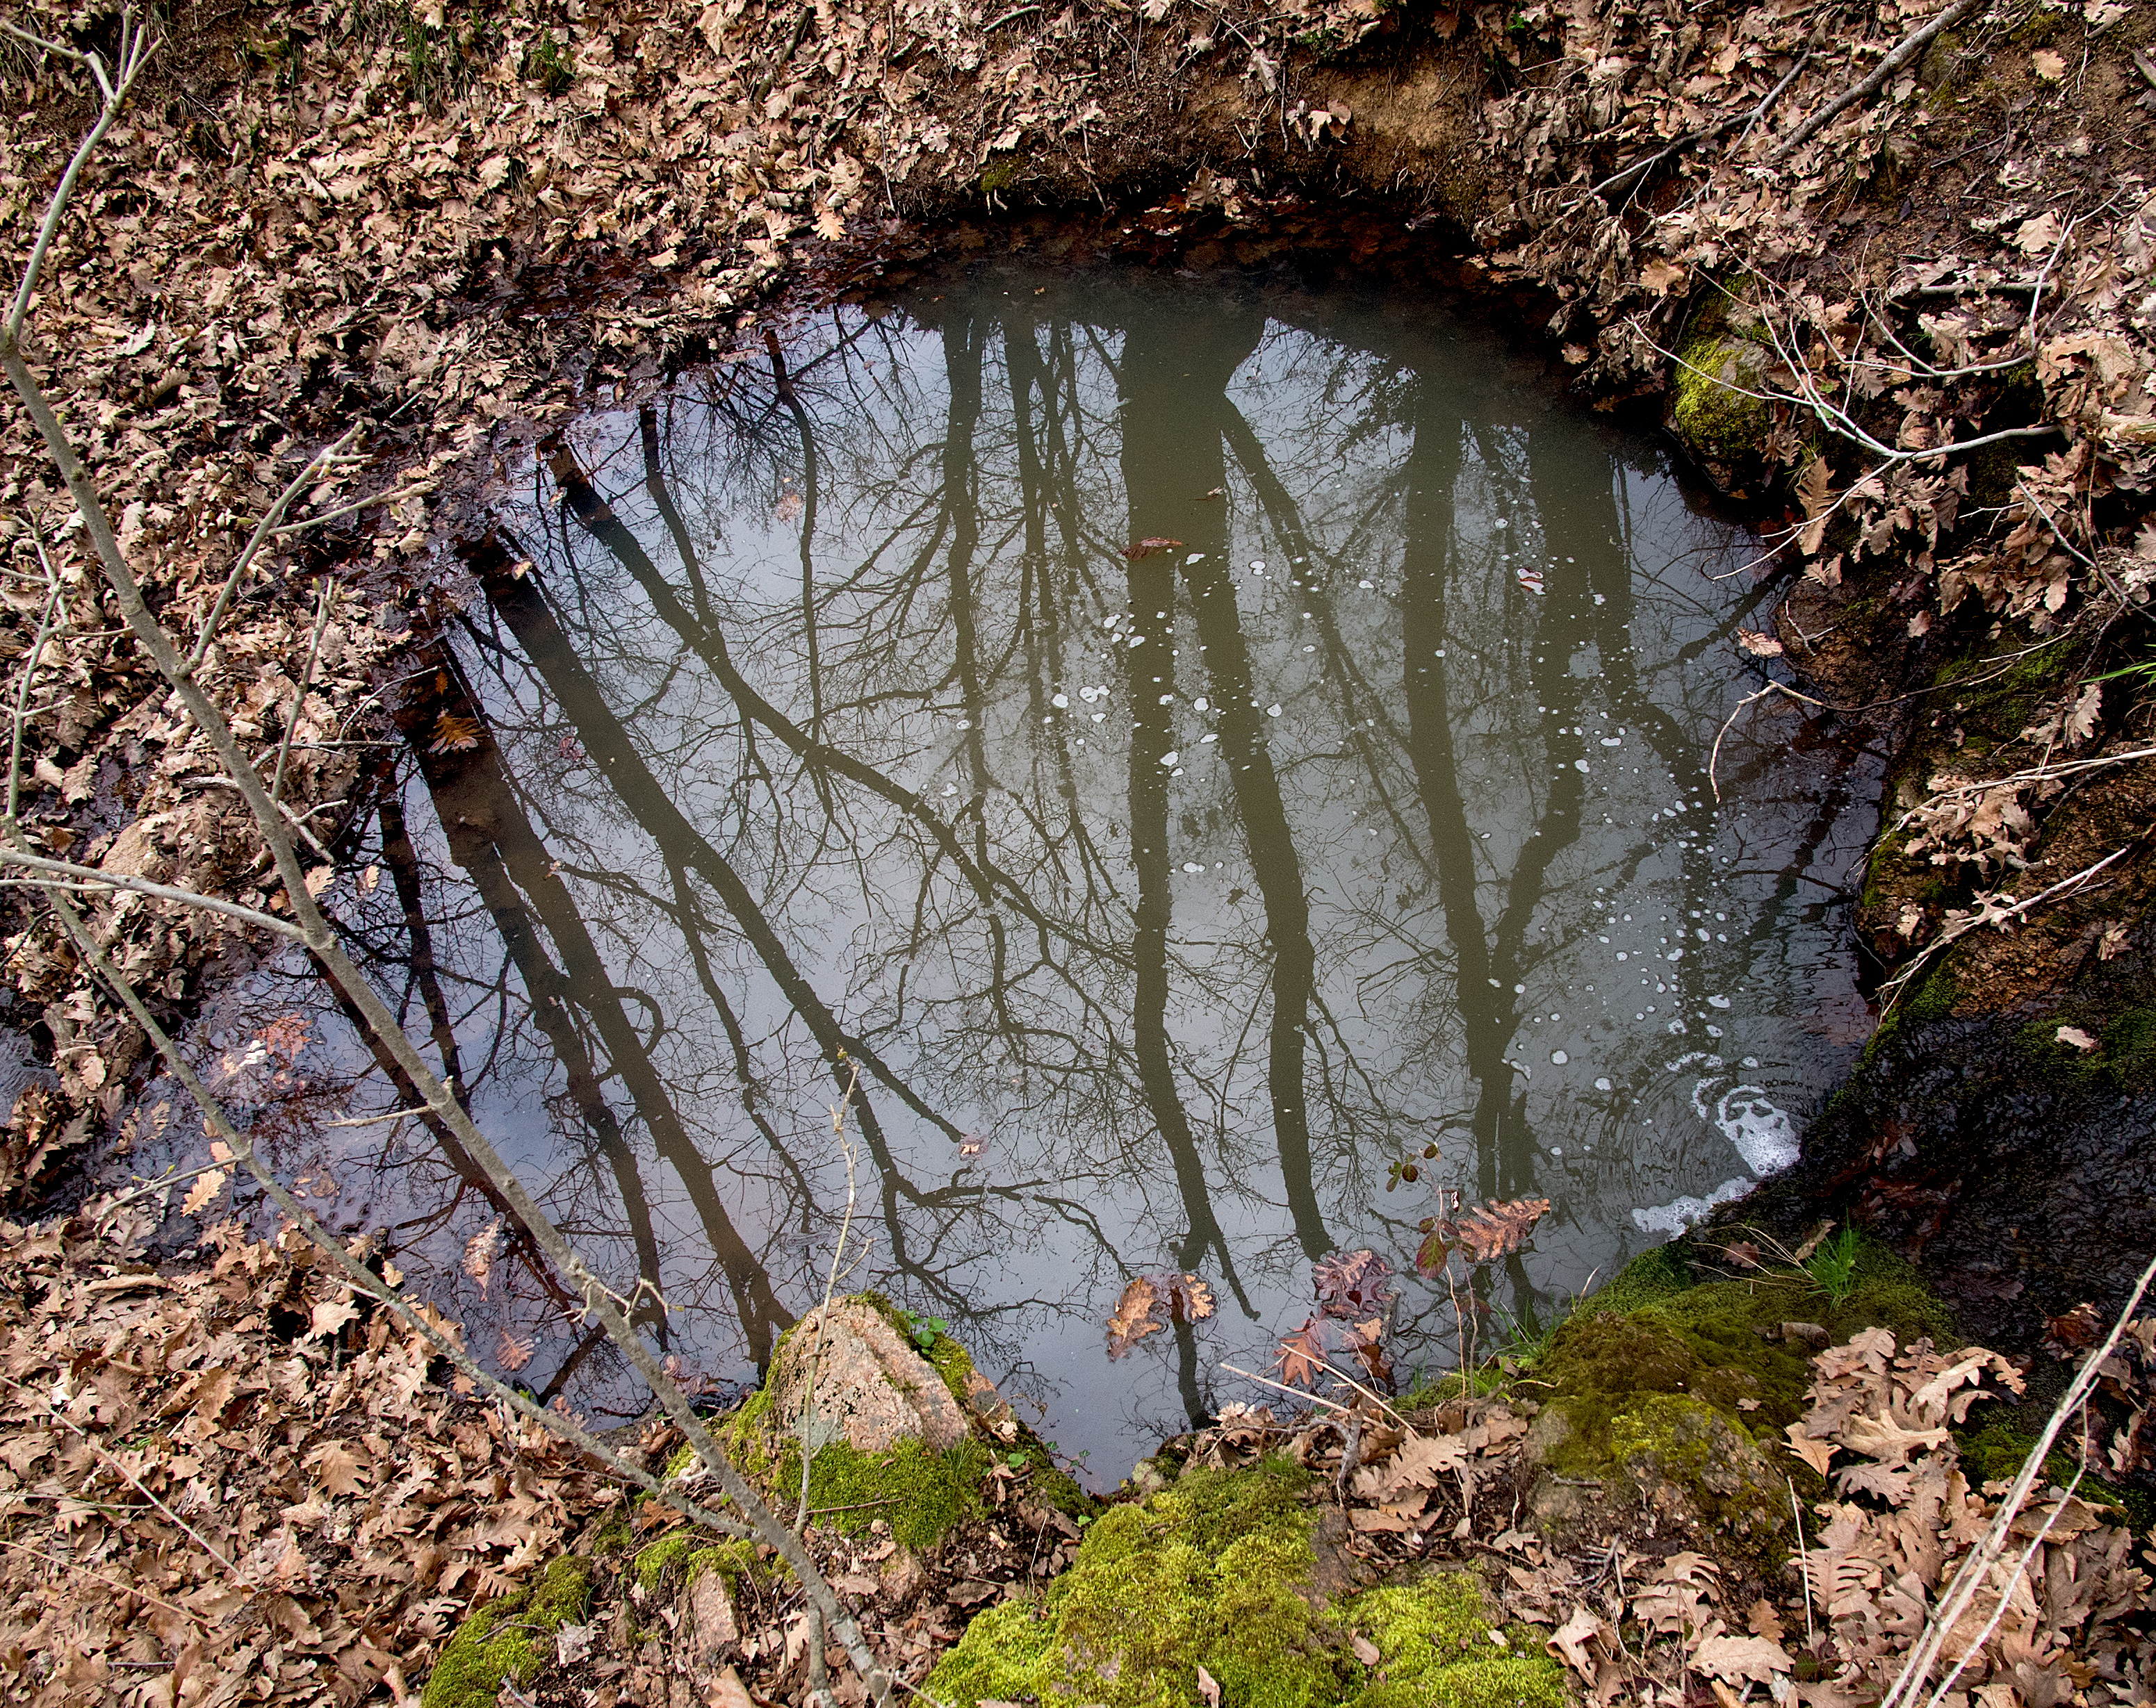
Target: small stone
x,y
870,1384
1810,1333
903,1577
711,1614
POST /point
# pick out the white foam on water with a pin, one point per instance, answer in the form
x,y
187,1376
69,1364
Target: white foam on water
x,y
1680,1213
1764,1136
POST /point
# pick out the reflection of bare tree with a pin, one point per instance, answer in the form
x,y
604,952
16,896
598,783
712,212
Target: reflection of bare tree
x,y
490,836
828,707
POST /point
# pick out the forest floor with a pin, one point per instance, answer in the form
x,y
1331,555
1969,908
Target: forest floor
x,y
1918,338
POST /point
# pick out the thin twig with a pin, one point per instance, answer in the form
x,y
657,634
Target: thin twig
x,y
95,1447
320,463
1900,982
376,1120
1311,1398
135,47
808,1447
1948,1611
1714,756
132,1589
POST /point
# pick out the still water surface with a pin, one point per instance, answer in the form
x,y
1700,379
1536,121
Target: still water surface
x,y
1164,900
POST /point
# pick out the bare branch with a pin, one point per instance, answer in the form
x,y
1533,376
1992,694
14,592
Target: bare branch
x,y
1907,49
92,878
135,47
323,942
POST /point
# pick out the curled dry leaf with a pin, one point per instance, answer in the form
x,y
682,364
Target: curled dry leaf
x,y
1147,547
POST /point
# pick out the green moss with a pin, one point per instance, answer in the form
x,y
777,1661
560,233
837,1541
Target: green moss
x,y
919,1494
1705,1342
652,1563
732,1560
1435,1650
1653,1275
952,1362
2129,1046
684,1455
1933,995
1207,1573
1675,1440
1711,412
509,1638
2124,1055
1995,1453
614,1535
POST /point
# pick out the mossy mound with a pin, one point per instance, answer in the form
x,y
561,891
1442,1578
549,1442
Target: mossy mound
x,y
1216,1573
1670,1443
1712,409
1437,1648
1996,1451
1683,1386
733,1561
510,1638
1655,1329
1209,1573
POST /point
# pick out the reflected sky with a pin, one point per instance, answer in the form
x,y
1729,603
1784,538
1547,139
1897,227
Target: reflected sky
x,y
823,714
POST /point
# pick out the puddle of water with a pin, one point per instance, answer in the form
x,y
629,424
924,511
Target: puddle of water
x,y
1165,897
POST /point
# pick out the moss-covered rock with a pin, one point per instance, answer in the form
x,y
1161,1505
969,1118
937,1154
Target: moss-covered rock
x,y
1677,1388
694,1555
1695,1464
1212,1572
1219,1573
509,1638
919,1492
1715,408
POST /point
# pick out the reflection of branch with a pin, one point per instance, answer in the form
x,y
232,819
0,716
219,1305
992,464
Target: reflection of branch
x,y
322,941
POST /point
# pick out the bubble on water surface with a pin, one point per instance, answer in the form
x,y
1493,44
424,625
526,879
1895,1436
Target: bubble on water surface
x,y
1558,1057
1061,702
1604,1085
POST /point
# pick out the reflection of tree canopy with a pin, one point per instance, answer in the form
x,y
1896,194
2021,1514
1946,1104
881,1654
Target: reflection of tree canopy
x,y
783,757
